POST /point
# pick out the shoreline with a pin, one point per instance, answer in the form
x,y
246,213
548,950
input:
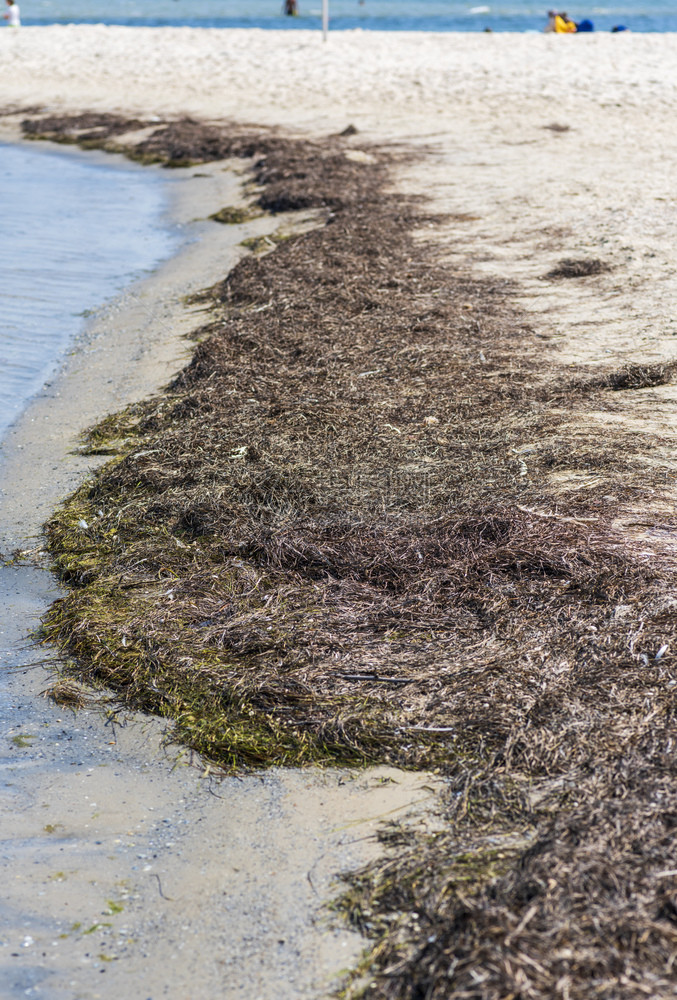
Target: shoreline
x,y
119,356
141,852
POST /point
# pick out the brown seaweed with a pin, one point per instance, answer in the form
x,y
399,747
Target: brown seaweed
x,y
352,529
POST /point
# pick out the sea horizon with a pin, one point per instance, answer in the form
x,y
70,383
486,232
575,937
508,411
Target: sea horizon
x,y
348,15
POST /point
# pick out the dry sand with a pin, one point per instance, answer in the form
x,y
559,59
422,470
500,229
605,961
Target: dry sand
x,y
524,196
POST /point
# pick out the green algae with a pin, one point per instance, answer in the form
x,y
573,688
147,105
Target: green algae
x,y
233,215
109,625
22,740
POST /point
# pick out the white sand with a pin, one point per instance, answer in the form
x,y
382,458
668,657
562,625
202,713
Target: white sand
x,y
292,76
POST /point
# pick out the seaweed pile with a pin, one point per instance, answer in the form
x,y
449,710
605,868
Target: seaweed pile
x,y
353,530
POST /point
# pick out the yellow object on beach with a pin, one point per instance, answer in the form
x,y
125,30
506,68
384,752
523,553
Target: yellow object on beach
x,y
562,26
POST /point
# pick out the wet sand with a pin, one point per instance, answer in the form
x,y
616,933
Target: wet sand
x,y
126,866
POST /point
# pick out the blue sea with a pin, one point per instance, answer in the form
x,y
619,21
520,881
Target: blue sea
x,y
369,15
75,230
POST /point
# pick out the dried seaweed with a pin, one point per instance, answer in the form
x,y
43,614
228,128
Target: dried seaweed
x,y
86,129
641,376
374,519
570,268
628,377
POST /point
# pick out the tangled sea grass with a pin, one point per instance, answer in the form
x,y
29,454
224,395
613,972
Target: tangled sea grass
x,y
375,519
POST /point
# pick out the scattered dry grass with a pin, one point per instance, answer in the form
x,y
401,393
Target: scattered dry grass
x,y
68,694
570,268
345,533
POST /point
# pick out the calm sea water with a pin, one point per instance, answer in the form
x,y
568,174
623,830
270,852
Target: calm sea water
x,y
378,15
73,233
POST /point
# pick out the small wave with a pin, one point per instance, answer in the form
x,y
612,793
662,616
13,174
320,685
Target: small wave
x,y
479,10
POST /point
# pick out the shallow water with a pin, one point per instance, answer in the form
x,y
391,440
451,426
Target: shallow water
x,y
74,232
378,15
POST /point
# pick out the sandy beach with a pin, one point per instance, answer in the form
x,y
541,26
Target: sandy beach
x,y
481,104
295,79
532,149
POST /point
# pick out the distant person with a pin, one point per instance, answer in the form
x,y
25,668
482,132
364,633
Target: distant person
x,y
619,27
12,15
291,8
559,23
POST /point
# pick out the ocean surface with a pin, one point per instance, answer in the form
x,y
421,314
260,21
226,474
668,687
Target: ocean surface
x,y
74,232
376,15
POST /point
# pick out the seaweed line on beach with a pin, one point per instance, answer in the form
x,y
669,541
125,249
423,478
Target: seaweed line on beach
x,y
376,519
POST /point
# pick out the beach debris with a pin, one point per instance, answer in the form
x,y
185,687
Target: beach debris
x,y
22,740
88,128
630,376
637,376
575,268
259,244
346,541
289,172
23,557
359,156
233,215
68,693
